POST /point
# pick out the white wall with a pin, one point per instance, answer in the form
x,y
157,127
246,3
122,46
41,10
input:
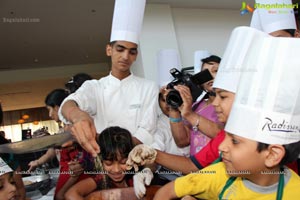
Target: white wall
x,y
185,30
198,29
158,33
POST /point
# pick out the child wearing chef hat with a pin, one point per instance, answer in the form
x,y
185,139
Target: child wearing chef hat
x,y
262,132
7,183
275,17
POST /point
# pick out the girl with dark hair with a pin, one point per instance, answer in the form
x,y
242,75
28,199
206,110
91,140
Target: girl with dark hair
x,y
115,144
53,102
70,158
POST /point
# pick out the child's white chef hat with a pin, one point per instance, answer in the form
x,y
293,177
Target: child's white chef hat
x,y
267,103
4,168
273,15
231,66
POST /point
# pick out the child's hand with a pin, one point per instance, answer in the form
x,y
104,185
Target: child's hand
x,y
141,179
140,155
33,165
75,168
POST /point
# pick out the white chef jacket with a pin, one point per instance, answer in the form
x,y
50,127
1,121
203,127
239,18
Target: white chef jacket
x,y
164,141
130,103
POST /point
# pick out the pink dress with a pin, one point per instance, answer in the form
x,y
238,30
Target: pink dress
x,y
198,139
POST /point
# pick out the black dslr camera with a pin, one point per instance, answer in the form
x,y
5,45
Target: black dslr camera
x,y
173,98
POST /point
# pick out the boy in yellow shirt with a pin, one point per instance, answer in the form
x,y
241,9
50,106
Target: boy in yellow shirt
x,y
262,132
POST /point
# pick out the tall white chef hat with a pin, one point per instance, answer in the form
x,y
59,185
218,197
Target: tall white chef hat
x,y
4,168
273,15
166,60
127,20
267,103
198,56
231,65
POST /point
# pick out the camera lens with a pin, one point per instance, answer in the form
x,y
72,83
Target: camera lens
x,y
174,99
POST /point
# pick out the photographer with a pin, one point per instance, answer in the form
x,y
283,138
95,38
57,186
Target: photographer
x,y
200,119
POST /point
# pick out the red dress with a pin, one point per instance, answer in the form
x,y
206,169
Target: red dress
x,y
208,153
70,154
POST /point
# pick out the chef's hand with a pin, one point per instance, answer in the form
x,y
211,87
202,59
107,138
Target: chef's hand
x,y
84,131
140,155
141,179
68,144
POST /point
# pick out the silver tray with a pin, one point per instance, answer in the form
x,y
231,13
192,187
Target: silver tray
x,y
36,144
35,182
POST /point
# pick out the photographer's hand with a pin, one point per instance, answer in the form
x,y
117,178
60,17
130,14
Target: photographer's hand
x,y
185,93
164,92
206,126
180,132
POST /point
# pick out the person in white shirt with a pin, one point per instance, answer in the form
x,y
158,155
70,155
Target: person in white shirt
x,y
119,99
164,141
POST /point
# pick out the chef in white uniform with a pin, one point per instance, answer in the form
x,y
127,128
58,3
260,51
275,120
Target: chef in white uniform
x,y
121,98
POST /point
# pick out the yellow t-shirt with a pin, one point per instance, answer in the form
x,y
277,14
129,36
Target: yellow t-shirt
x,y
209,182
